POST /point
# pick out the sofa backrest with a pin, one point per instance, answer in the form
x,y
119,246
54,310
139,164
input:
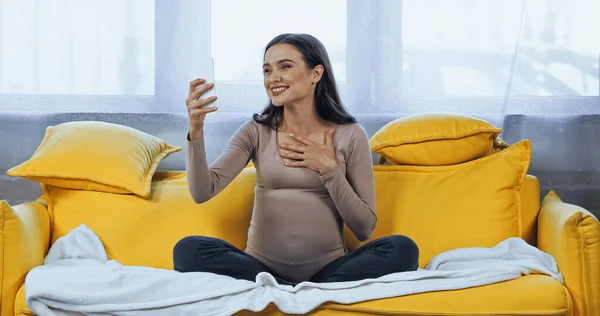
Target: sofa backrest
x,y
530,203
143,231
139,231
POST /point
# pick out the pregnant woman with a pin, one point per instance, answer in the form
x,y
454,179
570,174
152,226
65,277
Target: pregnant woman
x,y
314,172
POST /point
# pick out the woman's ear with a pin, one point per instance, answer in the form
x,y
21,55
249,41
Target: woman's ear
x,y
317,73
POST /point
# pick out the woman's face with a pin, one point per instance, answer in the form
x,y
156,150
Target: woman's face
x,y
287,78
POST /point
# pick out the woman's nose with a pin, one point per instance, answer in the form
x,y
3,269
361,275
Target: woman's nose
x,y
275,78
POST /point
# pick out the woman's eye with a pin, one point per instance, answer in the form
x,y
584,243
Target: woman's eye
x,y
266,71
285,66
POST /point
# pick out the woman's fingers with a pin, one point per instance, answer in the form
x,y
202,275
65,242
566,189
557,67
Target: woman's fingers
x,y
296,163
196,107
201,103
197,112
296,148
194,83
292,155
200,91
196,92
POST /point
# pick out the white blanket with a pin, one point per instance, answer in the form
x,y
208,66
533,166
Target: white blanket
x,y
77,278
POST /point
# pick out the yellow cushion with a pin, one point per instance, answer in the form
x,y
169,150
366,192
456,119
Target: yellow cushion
x,y
143,231
97,156
434,139
529,195
527,295
24,234
571,235
474,204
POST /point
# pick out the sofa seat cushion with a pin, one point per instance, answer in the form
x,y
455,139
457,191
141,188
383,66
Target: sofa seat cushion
x,y
21,308
528,295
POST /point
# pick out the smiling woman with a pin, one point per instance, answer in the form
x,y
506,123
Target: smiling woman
x,y
314,173
297,71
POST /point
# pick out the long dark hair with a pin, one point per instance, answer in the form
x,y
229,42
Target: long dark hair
x,y
327,100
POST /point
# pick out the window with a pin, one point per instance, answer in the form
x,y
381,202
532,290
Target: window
x,y
77,47
241,29
491,48
388,56
239,36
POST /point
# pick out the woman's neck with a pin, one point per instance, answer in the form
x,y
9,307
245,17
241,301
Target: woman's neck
x,y
301,119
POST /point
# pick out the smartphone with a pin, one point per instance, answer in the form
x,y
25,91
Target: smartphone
x,y
206,70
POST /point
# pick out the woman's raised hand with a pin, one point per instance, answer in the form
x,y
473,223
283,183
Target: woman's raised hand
x,y
197,108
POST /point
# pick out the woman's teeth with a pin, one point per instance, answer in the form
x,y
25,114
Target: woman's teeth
x,y
279,89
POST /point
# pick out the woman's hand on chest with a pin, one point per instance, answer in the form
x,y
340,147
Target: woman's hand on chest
x,y
310,154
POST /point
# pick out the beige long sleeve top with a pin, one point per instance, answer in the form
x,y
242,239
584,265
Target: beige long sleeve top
x,y
297,221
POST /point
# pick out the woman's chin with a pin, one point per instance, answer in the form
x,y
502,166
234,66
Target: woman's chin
x,y
277,102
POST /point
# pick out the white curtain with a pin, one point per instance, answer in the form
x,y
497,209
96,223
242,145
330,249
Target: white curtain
x,y
528,66
389,56
76,47
507,56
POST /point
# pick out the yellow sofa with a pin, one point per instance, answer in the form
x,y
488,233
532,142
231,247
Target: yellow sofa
x,y
479,202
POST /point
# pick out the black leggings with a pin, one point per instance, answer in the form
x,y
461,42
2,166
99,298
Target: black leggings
x,y
376,258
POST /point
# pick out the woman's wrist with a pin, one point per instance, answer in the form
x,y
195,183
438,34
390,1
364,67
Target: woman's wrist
x,y
195,133
328,169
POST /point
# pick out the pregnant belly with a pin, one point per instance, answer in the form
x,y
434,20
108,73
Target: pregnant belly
x,y
295,227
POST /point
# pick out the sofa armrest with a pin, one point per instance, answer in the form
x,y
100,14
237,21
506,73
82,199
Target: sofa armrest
x,y
571,235
24,242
